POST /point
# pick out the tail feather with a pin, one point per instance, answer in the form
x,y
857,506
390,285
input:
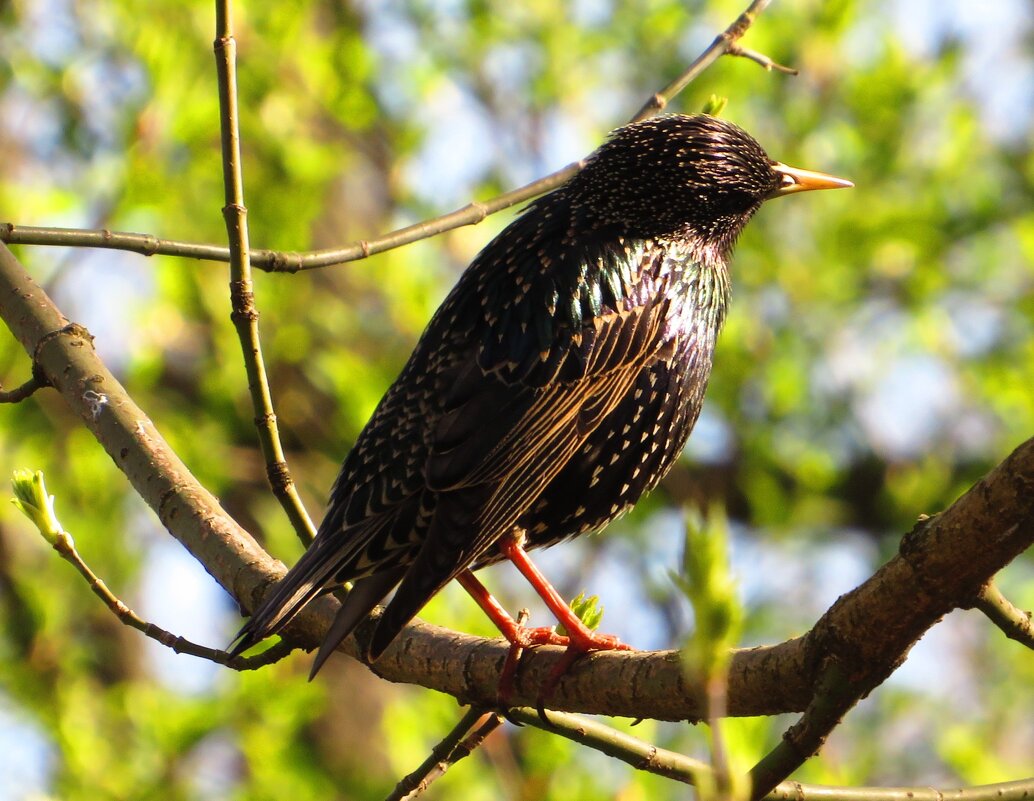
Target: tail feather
x,y
365,594
411,597
442,556
313,573
379,546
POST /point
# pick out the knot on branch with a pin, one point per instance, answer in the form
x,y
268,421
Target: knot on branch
x,y
74,331
39,380
242,299
480,210
278,473
278,262
151,244
911,543
828,645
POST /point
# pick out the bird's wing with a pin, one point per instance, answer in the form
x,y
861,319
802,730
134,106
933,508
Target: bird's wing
x,y
498,443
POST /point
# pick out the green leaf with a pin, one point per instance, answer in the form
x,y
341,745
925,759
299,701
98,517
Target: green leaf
x,y
588,610
32,500
715,105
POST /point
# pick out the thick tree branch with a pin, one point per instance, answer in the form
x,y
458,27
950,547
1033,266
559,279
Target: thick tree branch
x,y
63,353
943,564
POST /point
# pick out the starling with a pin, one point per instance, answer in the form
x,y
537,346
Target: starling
x,y
556,384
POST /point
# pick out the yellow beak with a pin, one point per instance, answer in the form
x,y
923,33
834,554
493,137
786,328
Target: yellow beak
x,y
798,180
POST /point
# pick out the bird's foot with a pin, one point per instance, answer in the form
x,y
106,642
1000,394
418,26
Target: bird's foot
x,y
586,640
579,644
578,640
575,647
521,637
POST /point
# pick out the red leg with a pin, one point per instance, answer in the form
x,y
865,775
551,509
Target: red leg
x,y
517,634
581,637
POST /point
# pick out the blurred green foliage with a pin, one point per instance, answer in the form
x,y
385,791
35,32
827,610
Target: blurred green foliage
x,y
878,359
707,583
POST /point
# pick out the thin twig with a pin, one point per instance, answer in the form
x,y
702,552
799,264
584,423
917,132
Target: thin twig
x,y
1022,790
474,740
277,261
469,745
471,214
835,694
65,546
103,239
18,394
669,764
453,747
721,45
242,295
1015,622
759,58
717,690
632,750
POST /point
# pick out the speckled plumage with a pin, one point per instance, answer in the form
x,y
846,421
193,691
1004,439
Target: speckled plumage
x,y
556,384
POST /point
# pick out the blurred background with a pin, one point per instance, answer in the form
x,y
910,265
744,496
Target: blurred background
x,y
879,358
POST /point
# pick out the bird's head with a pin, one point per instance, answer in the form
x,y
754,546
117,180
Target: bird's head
x,y
682,176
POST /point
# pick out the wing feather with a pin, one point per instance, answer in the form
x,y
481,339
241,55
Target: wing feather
x,y
509,458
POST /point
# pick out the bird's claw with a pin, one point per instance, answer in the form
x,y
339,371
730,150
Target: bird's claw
x,y
576,646
592,641
523,637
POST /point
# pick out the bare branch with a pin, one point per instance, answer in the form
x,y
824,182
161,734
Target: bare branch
x,y
474,740
275,261
103,239
242,295
834,696
669,764
20,393
1004,791
759,58
850,664
176,643
65,546
456,745
65,356
638,753
723,43
1015,622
